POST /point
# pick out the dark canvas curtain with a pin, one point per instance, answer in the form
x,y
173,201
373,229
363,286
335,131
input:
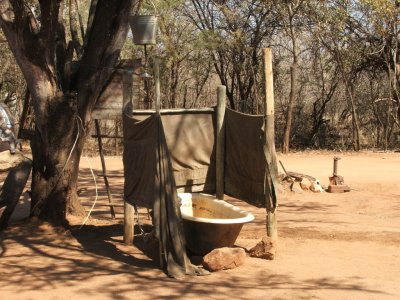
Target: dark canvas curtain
x,y
139,158
190,139
150,175
245,163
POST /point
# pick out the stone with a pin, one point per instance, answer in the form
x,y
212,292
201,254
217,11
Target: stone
x,y
305,184
224,259
265,249
246,243
338,189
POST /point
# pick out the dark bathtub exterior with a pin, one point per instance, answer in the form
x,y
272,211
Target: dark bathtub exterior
x,y
210,223
202,238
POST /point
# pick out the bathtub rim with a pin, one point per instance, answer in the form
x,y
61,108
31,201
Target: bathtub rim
x,y
246,219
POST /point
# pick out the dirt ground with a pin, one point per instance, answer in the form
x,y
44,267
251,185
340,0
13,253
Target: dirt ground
x,y
331,246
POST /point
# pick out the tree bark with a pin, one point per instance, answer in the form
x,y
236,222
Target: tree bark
x,y
56,164
293,83
354,116
289,113
62,111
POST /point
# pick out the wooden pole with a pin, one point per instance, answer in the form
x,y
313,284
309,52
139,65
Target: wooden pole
x,y
157,83
220,151
103,165
272,167
129,222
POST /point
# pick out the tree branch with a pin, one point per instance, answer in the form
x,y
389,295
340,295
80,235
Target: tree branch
x,y
33,23
49,20
92,11
104,42
6,12
73,26
80,20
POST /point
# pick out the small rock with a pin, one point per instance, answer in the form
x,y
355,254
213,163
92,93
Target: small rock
x,y
305,184
266,249
295,187
224,259
246,244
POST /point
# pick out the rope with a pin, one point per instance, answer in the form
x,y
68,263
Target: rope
x,y
94,179
97,195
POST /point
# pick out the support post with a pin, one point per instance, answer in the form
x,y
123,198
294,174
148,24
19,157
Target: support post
x,y
272,166
103,165
129,220
157,83
220,151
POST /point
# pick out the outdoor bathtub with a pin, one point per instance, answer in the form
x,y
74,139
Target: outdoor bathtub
x,y
210,223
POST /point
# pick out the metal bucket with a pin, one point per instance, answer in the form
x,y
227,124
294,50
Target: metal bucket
x,y
144,29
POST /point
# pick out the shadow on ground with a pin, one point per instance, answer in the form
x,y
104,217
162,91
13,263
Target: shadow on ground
x,y
94,260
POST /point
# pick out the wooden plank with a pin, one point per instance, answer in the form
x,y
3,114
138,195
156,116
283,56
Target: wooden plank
x,y
129,222
270,145
269,83
106,113
107,136
157,84
103,165
113,176
220,151
104,204
146,112
120,93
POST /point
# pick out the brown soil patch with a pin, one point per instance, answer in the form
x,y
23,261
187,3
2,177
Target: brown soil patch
x,y
331,246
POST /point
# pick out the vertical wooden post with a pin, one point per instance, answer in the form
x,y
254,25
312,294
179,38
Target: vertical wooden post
x,y
103,165
129,222
157,83
136,84
127,83
220,151
272,175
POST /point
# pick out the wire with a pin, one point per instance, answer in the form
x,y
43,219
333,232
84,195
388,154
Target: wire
x,y
94,179
97,195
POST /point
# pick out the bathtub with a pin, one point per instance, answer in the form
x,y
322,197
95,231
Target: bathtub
x,y
210,223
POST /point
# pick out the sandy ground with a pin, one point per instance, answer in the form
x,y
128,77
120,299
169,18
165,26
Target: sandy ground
x,y
331,246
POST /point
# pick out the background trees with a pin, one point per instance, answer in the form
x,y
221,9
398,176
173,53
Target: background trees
x,y
336,67
336,63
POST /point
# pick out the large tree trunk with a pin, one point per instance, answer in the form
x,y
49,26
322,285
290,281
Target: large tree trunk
x,y
63,100
56,162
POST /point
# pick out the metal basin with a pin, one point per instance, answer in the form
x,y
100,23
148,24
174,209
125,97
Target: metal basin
x,y
210,223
